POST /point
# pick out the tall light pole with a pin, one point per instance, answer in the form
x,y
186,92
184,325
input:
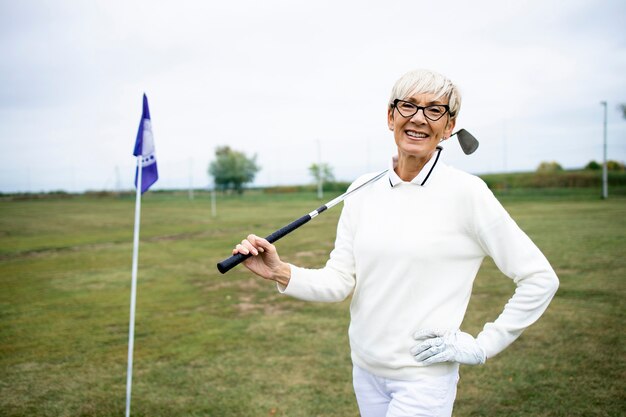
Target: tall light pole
x,y
605,179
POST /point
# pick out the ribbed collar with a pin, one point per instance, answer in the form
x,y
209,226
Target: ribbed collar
x,y
423,175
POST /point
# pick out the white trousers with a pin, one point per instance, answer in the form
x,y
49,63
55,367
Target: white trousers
x,y
431,396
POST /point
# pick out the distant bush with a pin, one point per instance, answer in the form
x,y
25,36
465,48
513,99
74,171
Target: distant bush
x,y
549,167
615,166
57,194
559,179
570,180
285,189
336,186
331,187
593,166
610,165
101,194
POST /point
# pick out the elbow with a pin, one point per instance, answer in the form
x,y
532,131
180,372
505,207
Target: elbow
x,y
548,285
544,284
554,284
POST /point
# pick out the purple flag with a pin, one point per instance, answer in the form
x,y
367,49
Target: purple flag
x,y
144,146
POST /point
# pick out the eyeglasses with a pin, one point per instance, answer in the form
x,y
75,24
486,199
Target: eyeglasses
x,y
408,109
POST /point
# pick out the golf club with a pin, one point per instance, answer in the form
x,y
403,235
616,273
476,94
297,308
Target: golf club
x,y
229,263
468,143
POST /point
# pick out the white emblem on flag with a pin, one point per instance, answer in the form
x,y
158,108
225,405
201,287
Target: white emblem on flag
x,y
147,152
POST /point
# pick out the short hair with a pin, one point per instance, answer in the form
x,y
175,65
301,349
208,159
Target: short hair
x,y
423,81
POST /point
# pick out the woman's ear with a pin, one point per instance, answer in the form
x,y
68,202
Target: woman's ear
x,y
390,122
449,128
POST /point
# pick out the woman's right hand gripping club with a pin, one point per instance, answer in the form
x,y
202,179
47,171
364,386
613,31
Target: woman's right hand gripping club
x,y
264,261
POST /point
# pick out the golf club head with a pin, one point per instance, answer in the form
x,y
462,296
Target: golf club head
x,y
468,142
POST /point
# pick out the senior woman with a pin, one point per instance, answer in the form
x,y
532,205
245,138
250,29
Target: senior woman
x,y
408,248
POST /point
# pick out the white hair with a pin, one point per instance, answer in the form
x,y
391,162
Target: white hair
x,y
423,81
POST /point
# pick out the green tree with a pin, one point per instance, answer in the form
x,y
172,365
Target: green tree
x,y
615,165
611,165
622,108
549,167
593,165
323,172
232,169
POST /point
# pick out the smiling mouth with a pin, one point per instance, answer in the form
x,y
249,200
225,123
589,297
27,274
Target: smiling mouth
x,y
416,135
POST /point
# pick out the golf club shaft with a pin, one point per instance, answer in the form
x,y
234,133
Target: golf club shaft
x,y
229,263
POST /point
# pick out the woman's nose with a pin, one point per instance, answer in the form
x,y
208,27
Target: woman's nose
x,y
419,116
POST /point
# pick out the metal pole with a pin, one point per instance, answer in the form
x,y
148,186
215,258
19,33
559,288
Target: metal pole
x,y
605,179
133,291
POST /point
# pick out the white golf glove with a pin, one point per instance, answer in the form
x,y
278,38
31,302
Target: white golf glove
x,y
447,346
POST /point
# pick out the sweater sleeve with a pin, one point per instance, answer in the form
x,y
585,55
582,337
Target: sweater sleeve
x,y
521,260
336,280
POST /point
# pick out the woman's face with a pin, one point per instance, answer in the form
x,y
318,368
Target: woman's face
x,y
416,135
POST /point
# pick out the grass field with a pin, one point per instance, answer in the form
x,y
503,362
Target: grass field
x,y
229,345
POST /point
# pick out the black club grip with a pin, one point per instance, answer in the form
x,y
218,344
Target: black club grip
x,y
229,263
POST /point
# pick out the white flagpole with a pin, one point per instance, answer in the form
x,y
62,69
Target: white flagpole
x,y
133,291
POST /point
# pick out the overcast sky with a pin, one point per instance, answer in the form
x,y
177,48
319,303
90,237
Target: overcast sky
x,y
287,80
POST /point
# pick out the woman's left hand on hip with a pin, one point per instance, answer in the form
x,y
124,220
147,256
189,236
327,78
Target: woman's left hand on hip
x,y
437,346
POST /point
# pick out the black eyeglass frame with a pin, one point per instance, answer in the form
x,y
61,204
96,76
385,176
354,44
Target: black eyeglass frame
x,y
423,109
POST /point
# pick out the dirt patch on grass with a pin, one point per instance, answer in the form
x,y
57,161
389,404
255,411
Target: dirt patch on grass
x,y
268,307
251,295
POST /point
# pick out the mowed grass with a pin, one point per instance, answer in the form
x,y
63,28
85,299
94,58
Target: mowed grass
x,y
229,345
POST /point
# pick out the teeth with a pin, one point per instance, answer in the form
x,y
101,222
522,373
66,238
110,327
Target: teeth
x,y
416,135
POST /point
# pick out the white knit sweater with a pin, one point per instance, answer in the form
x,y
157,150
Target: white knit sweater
x,y
410,253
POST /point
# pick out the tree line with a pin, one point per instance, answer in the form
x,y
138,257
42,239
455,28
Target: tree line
x,y
232,170
553,166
